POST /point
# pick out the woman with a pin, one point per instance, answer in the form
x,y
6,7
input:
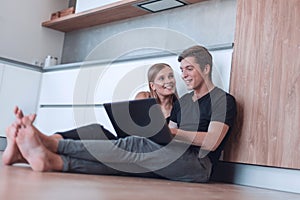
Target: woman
x,y
162,86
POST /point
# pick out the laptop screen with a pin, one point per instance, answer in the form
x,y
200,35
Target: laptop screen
x,y
141,118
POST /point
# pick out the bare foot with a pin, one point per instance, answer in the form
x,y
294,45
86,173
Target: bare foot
x,y
12,154
51,143
18,113
37,155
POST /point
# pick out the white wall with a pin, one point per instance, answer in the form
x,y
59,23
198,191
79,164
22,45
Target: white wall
x,y
209,23
22,37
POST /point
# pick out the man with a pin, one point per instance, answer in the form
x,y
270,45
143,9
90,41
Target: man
x,y
200,122
207,113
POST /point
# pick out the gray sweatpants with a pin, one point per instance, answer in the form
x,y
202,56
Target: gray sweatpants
x,y
135,156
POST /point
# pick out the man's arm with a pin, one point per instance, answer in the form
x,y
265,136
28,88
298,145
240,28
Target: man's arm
x,y
209,140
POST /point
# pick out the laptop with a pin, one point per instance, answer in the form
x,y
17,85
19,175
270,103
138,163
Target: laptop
x,y
141,117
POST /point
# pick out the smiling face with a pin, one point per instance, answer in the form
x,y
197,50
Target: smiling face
x,y
192,75
164,83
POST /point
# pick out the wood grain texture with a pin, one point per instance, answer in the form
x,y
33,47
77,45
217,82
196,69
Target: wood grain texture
x,y
265,80
20,182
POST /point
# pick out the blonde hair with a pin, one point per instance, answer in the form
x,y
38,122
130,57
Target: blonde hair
x,y
152,73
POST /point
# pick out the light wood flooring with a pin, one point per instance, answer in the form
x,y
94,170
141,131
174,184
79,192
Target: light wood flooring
x,y
20,182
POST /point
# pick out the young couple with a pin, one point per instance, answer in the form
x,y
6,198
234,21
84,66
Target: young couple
x,y
201,122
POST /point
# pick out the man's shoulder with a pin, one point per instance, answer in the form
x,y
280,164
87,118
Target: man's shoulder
x,y
220,92
186,96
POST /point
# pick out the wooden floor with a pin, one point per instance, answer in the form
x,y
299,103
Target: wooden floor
x,y
20,182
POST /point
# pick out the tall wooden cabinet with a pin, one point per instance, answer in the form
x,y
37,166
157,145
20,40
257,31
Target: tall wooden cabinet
x,y
265,80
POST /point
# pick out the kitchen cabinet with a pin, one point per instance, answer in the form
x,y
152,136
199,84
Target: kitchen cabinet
x,y
62,118
58,87
63,101
105,14
19,86
1,74
266,83
70,98
73,97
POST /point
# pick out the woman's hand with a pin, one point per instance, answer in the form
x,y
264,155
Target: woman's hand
x,y
174,131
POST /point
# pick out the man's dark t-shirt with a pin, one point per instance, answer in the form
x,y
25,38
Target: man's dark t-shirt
x,y
217,105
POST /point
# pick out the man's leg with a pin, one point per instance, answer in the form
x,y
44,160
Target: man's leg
x,y
131,154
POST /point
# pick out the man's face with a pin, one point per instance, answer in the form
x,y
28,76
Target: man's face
x,y
191,73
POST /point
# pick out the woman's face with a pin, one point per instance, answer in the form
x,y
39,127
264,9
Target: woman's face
x,y
164,83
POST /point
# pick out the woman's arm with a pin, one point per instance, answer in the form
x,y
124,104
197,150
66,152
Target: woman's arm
x,y
142,95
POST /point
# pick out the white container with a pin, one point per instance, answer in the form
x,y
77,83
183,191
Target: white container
x,y
50,61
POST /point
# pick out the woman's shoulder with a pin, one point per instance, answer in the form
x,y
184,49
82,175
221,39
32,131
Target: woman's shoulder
x,y
143,95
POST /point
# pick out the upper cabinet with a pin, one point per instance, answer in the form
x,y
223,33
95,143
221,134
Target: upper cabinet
x,y
105,14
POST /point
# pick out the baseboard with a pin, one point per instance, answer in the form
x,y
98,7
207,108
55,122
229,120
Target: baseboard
x,y
287,180
2,143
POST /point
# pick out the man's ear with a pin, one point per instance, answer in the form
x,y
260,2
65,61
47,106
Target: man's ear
x,y
207,69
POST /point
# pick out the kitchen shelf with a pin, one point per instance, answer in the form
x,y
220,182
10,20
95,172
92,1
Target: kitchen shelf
x,y
105,14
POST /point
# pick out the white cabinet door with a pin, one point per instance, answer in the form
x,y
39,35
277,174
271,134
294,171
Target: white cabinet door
x,y
1,73
58,87
61,90
117,82
57,119
19,86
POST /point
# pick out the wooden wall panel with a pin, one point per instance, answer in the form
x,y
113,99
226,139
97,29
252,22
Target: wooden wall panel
x,y
265,80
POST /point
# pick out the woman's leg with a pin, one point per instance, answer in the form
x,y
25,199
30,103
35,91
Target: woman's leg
x,y
93,131
12,154
89,132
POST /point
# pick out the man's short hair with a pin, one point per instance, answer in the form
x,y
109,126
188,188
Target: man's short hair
x,y
201,55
